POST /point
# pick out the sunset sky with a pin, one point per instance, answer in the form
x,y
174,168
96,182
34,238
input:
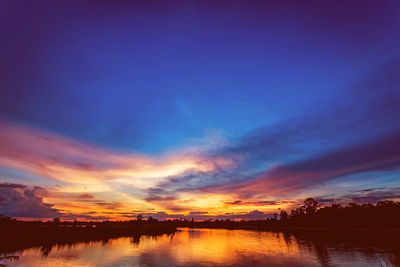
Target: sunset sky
x,y
197,109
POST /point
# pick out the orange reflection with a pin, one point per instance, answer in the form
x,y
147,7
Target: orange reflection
x,y
188,247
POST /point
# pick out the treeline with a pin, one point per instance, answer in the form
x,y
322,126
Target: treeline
x,y
17,234
384,215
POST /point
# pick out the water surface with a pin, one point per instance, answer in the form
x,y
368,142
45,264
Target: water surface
x,y
216,247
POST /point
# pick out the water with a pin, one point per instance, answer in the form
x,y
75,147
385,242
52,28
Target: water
x,y
214,247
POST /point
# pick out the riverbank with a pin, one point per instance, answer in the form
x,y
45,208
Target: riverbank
x,y
264,226
220,247
20,235
315,229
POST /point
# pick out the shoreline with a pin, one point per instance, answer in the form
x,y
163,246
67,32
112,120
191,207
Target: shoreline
x,y
24,236
298,229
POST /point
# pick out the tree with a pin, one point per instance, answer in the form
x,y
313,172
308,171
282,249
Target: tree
x,y
283,215
310,206
56,222
151,219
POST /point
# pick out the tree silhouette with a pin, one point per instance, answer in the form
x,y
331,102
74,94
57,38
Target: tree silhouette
x,y
283,215
310,206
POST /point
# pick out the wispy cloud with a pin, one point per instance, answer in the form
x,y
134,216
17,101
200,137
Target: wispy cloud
x,y
258,169
65,159
290,178
326,142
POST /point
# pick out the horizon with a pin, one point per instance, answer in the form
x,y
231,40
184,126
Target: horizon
x,y
311,210
196,109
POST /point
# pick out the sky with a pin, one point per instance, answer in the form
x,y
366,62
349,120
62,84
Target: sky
x,y
196,109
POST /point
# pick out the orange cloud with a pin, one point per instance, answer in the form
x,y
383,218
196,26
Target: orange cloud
x,y
91,173
64,159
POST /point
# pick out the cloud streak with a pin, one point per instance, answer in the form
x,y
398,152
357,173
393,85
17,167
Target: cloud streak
x,y
64,159
325,142
256,170
287,179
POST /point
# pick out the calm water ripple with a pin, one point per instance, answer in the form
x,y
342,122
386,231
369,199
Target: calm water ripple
x,y
215,247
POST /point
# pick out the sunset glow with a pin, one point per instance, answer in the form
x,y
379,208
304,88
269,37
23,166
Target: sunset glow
x,y
196,109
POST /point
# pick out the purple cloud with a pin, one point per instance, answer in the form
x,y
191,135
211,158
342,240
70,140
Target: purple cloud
x,y
20,201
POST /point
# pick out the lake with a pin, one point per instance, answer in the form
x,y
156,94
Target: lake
x,y
218,247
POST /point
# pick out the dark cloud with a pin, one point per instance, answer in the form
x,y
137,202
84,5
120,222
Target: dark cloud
x,y
21,201
195,213
101,204
373,195
195,181
160,199
113,205
367,190
252,203
380,154
18,200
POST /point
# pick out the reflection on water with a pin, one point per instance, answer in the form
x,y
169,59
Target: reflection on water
x,y
214,247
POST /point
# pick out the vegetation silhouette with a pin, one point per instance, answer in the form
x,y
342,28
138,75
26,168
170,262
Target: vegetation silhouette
x,y
385,215
366,228
353,225
17,235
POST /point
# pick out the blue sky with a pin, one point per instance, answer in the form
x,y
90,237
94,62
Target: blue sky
x,y
272,83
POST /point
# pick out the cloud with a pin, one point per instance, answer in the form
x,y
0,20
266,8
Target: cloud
x,y
112,205
85,196
380,154
338,139
160,199
17,200
253,215
21,201
332,139
252,203
67,201
64,159
372,195
331,124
